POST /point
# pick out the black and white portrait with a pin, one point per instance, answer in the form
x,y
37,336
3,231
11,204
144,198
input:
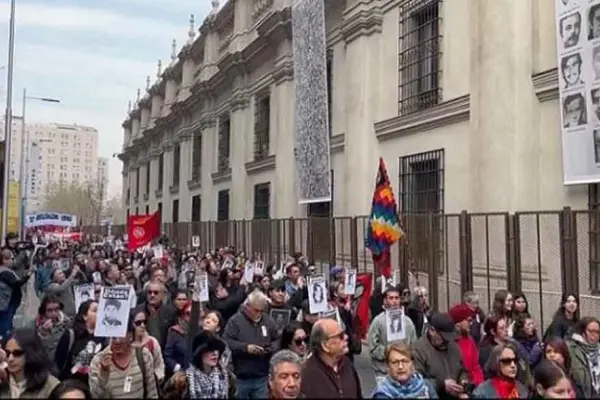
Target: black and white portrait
x,y
570,69
595,95
570,29
596,146
574,111
113,311
317,294
594,22
350,281
83,293
281,317
394,319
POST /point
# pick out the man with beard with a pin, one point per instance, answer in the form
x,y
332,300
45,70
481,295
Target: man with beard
x,y
437,357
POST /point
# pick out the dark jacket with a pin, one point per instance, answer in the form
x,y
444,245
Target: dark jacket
x,y
241,331
175,351
230,304
417,316
11,286
476,325
65,358
159,322
319,381
438,365
559,328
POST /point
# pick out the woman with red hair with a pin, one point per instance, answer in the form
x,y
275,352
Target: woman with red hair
x,y
175,355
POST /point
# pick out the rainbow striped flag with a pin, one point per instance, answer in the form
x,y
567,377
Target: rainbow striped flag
x,y
384,224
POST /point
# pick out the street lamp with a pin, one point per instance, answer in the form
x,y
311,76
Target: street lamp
x,y
24,162
8,116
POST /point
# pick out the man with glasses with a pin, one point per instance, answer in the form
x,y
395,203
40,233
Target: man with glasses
x,y
327,373
161,316
252,337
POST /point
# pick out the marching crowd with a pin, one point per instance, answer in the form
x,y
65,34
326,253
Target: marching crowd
x,y
178,346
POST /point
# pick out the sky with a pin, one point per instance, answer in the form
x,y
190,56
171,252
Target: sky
x,y
92,55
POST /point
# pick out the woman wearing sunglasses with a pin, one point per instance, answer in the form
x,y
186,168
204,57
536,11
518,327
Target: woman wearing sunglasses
x,y
502,367
294,338
27,372
141,339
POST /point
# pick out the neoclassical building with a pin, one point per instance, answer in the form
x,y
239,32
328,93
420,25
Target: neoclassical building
x,y
459,97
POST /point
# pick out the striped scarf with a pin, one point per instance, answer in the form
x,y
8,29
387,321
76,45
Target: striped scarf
x,y
414,388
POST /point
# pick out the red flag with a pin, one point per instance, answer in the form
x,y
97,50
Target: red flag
x,y
362,296
142,229
383,263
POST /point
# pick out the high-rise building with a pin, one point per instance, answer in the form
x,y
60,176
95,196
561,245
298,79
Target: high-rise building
x,y
103,177
58,153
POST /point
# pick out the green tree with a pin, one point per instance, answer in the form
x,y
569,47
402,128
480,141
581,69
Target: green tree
x,y
80,199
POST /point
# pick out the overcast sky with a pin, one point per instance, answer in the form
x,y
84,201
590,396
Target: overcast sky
x,y
92,55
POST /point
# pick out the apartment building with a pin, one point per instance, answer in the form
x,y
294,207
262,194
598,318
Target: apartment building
x,y
102,177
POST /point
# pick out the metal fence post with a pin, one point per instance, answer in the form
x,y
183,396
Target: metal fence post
x,y
568,250
466,252
513,252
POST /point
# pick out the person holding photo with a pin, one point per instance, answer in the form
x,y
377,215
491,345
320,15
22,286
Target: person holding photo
x,y
343,303
277,297
378,340
122,371
50,324
62,288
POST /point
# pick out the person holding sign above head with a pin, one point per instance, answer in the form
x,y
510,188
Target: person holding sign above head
x,y
122,371
62,287
176,357
380,327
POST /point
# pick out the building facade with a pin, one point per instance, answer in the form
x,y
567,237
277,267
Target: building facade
x,y
462,105
102,178
58,153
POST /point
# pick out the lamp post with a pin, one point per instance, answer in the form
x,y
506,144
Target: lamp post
x,y
8,116
24,161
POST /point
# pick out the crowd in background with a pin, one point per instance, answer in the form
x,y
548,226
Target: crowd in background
x,y
177,346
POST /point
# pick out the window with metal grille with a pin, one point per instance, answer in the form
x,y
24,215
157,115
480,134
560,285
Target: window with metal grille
x,y
419,61
175,211
197,157
161,171
196,208
421,197
128,215
137,211
176,164
262,119
330,88
128,196
223,205
224,145
262,200
147,177
137,182
159,210
321,228
147,209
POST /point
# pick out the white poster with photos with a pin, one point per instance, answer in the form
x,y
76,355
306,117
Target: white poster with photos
x,y
394,328
83,293
113,311
578,44
317,294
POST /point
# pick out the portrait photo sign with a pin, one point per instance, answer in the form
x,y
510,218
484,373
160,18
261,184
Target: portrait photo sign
x,y
113,311
578,45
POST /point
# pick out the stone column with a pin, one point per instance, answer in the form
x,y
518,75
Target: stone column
x,y
135,128
209,196
241,135
184,175
243,15
153,181
502,139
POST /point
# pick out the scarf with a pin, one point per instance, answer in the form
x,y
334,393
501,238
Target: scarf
x,y
505,389
413,388
592,355
207,386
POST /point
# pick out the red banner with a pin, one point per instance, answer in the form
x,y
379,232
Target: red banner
x,y
142,229
362,295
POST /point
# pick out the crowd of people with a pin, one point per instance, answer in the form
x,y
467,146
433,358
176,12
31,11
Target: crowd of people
x,y
234,343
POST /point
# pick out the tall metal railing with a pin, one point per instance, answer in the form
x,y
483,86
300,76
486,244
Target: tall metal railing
x,y
540,253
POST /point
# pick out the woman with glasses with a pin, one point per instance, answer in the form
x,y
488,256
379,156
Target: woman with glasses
x,y
176,348
403,382
28,368
502,367
142,339
294,338
78,345
584,347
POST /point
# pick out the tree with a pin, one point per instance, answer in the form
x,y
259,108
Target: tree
x,y
80,199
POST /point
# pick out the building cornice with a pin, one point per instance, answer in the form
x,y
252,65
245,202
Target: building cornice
x,y
545,85
256,166
446,113
221,176
359,23
337,143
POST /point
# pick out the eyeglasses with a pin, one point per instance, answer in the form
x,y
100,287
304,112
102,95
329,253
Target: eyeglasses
x,y
340,336
14,353
153,292
140,322
301,341
508,361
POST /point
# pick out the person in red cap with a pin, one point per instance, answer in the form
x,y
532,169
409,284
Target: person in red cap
x,y
462,315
